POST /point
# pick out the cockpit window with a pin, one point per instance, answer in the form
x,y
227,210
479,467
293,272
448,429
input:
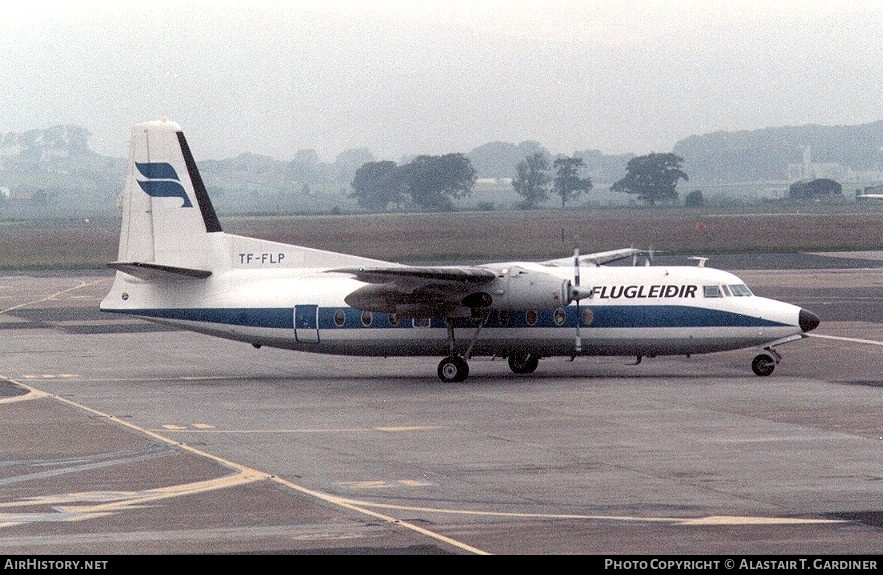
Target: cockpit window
x,y
712,291
740,290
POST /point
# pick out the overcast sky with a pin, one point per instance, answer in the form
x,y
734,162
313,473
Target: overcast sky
x,y
408,77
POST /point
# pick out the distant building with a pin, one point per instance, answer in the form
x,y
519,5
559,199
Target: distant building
x,y
869,193
21,196
807,170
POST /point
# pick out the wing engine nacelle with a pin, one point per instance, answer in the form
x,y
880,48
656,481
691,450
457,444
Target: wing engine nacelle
x,y
519,288
513,288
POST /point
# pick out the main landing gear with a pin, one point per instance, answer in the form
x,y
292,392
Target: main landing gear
x,y
765,363
453,369
523,362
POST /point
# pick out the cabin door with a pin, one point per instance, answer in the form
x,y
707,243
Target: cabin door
x,y
306,323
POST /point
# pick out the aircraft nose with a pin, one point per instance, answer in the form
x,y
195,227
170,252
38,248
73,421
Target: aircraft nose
x,y
808,320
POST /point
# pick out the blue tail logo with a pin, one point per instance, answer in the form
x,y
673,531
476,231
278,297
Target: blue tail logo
x,y
162,182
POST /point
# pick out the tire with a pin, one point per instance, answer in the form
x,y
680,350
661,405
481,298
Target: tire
x,y
523,362
763,365
453,369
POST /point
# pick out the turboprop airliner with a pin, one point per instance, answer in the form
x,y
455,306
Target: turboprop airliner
x,y
175,266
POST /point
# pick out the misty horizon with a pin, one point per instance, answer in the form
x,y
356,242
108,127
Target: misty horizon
x,y
403,79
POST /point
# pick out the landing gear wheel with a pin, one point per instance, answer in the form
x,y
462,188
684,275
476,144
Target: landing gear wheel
x,y
453,369
523,362
763,365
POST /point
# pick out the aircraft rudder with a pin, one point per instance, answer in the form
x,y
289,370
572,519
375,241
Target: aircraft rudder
x,y
209,216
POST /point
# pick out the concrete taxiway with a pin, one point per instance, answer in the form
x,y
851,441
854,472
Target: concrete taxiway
x,y
122,437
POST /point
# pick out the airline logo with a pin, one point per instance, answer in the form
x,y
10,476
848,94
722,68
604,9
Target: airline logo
x,y
644,291
162,182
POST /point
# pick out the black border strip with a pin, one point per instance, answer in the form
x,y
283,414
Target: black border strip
x,y
212,224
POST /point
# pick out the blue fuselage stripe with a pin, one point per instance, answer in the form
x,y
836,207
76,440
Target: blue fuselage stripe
x,y
607,316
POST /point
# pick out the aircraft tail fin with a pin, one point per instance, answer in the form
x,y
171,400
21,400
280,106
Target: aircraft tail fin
x,y
170,231
167,214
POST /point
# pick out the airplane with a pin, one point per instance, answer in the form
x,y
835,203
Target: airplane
x,y
175,266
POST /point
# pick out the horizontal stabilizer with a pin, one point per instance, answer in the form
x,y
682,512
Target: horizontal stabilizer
x,y
146,271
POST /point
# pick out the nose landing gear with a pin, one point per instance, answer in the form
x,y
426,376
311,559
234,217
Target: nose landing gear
x,y
764,364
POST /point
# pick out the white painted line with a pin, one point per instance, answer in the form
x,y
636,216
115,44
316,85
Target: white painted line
x,y
870,341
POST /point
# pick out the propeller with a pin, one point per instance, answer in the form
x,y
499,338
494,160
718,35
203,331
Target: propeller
x,y
578,342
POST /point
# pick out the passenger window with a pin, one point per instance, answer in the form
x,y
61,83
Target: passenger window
x,y
560,316
339,318
711,291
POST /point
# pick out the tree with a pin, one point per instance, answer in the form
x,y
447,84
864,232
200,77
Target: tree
x,y
694,199
435,181
652,178
348,161
532,180
376,184
305,168
498,159
567,184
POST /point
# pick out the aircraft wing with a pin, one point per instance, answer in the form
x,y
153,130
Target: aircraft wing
x,y
597,258
420,275
418,291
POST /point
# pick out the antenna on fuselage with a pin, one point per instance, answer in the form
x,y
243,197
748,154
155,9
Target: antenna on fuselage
x,y
701,261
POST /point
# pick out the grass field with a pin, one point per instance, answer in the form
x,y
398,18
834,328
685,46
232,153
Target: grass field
x,y
489,236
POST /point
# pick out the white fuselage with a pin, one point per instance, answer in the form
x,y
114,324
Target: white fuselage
x,y
644,311
176,266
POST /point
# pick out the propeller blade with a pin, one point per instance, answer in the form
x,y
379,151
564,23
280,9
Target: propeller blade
x,y
576,266
578,342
